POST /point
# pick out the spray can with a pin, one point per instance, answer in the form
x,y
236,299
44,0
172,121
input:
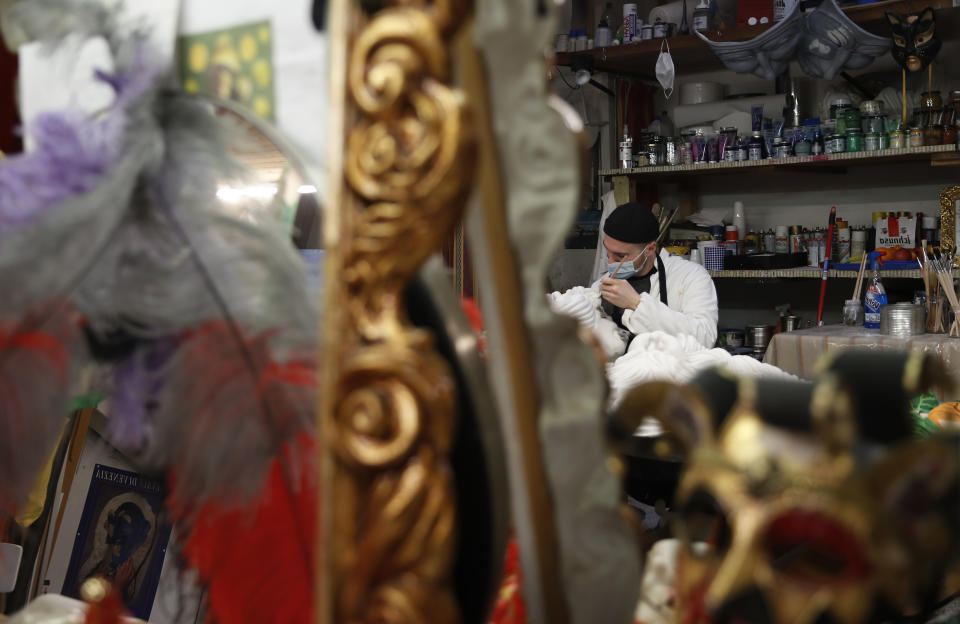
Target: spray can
x,y
629,21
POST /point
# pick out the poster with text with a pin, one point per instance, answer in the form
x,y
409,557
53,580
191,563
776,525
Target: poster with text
x,y
122,536
233,64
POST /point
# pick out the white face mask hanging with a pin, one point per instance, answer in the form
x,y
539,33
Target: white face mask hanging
x,y
665,70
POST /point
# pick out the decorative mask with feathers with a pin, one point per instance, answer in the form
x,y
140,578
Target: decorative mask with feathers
x,y
810,502
115,252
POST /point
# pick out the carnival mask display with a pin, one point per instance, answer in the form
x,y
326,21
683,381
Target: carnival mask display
x,y
824,43
915,42
767,55
832,43
810,502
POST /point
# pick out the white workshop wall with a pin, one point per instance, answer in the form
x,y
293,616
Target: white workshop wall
x,y
299,57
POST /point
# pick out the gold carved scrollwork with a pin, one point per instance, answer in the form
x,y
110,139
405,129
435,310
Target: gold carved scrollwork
x,y
407,168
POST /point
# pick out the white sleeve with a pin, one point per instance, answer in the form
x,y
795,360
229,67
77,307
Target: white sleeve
x,y
583,305
694,313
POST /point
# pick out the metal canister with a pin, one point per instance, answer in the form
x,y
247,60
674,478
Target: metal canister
x,y
835,144
897,139
674,151
871,142
854,139
916,137
871,123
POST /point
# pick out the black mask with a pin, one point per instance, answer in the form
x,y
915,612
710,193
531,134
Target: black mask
x,y
915,42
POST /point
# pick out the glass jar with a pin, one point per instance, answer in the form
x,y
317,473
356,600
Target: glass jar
x,y
949,135
853,118
871,123
841,121
727,143
931,99
743,150
897,139
835,144
932,135
673,150
871,142
885,140
657,152
802,147
869,107
854,140
687,154
954,103
916,137
755,147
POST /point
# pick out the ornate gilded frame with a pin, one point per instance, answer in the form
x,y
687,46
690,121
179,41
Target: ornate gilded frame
x,y
948,220
400,174
401,162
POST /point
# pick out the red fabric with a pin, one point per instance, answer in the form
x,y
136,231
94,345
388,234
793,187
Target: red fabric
x,y
510,608
257,560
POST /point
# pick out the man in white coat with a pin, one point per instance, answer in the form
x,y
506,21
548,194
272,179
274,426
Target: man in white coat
x,y
646,291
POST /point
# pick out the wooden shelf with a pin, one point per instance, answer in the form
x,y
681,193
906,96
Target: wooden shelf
x,y
936,154
691,55
811,273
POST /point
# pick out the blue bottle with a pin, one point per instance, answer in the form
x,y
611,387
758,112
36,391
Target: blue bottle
x,y
875,298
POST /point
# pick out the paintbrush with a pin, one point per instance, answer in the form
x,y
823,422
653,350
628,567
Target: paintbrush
x,y
826,265
857,287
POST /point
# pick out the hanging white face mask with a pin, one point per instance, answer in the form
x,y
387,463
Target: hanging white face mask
x,y
665,70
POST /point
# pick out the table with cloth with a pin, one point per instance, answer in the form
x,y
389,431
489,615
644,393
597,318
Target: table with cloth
x,y
798,352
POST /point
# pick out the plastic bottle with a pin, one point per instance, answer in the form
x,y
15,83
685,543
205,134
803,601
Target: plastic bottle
x,y
655,126
701,16
667,128
603,36
740,219
875,298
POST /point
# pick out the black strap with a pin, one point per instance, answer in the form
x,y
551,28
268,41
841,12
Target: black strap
x,y
663,280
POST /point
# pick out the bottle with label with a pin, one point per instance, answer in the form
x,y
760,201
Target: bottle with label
x,y
701,16
626,149
603,36
875,299
782,242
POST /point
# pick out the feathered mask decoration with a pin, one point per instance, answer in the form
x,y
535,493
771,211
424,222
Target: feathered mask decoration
x,y
114,250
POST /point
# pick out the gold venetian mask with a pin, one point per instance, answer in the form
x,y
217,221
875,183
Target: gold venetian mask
x,y
799,504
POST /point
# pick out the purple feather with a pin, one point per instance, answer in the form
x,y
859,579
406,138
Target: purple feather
x,y
73,151
138,382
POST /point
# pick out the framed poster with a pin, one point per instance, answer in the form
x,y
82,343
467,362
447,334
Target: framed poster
x,y
122,536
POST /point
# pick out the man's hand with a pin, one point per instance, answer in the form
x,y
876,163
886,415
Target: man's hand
x,y
620,293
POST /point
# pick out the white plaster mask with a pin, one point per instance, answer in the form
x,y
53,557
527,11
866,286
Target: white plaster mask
x,y
665,70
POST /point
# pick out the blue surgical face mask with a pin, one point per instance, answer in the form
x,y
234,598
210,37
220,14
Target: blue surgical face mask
x,y
626,270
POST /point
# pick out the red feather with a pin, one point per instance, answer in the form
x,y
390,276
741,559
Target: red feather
x,y
252,558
